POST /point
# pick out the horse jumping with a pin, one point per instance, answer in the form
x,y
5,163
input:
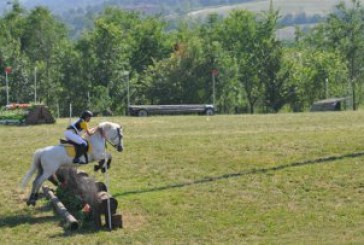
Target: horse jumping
x,y
49,159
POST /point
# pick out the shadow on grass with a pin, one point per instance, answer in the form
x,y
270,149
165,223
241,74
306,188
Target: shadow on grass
x,y
81,230
15,220
242,173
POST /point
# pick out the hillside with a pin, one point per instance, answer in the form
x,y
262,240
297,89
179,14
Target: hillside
x,y
147,6
192,8
293,12
294,7
304,13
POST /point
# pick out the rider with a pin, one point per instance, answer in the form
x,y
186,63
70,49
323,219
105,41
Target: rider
x,y
74,131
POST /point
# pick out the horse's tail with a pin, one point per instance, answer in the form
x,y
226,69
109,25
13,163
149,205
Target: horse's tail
x,y
34,166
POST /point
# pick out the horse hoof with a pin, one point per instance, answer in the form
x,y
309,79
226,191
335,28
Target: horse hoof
x,y
31,202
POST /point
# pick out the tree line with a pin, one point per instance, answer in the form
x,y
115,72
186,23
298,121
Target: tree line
x,y
235,62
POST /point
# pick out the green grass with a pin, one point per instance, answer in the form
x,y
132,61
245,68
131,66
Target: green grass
x,y
242,179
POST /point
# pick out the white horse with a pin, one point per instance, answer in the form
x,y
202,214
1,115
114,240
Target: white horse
x,y
49,159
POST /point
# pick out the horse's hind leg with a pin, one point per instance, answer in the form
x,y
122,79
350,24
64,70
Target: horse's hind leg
x,y
33,194
37,183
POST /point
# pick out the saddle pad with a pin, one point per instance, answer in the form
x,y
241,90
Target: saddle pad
x,y
70,149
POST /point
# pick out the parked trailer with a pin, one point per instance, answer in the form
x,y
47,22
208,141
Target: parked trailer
x,y
146,110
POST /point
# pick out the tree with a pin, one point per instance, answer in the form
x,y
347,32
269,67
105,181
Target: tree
x,y
343,32
42,41
150,42
270,53
314,75
239,37
184,77
105,53
12,26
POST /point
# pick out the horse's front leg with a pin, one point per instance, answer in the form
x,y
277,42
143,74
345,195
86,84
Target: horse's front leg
x,y
101,164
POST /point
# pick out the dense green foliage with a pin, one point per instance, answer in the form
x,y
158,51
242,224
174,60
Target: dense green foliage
x,y
74,205
126,51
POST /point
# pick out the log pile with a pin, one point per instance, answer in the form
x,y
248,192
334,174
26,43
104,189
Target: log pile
x,y
93,195
106,201
70,221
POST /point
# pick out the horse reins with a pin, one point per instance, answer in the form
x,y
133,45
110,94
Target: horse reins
x,y
108,141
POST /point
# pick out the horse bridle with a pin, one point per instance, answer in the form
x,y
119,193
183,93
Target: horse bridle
x,y
117,146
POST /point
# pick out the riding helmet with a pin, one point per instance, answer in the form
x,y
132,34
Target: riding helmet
x,y
86,114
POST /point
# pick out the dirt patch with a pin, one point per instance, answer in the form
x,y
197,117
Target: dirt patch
x,y
133,221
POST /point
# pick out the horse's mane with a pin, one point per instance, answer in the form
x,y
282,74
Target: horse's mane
x,y
105,125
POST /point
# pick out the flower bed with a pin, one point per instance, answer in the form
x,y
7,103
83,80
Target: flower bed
x,y
15,106
25,114
14,116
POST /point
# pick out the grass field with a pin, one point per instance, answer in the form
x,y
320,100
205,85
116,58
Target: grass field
x,y
242,179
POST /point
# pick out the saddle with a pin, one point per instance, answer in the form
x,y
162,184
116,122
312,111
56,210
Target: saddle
x,y
79,150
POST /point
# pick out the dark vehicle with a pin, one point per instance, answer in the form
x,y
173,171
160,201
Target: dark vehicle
x,y
145,110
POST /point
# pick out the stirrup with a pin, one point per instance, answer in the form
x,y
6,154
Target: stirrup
x,y
78,161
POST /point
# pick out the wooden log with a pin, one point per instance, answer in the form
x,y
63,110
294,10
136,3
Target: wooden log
x,y
116,221
81,173
103,199
71,221
101,186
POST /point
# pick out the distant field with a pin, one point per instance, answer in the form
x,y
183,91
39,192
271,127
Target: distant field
x,y
239,179
293,7
310,7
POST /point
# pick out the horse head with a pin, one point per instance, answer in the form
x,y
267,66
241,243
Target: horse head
x,y
113,134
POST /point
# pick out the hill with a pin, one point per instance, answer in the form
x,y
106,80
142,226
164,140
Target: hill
x,y
294,12
294,7
191,8
305,13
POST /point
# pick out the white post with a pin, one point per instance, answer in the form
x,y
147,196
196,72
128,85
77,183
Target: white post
x,y
70,113
7,87
35,85
88,99
327,88
107,188
213,89
126,73
349,100
128,90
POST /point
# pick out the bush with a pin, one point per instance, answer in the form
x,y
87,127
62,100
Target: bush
x,y
17,115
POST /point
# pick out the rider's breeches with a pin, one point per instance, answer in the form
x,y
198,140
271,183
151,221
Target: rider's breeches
x,y
70,135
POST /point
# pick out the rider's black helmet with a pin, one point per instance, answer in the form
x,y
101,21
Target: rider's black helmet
x,y
86,114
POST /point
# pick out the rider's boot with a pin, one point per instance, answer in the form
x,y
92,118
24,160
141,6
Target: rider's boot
x,y
84,151
79,151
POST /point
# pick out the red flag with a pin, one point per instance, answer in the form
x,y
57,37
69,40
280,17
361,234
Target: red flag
x,y
8,69
215,72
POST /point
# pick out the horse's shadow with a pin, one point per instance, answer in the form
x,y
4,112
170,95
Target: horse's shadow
x,y
16,220
321,160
